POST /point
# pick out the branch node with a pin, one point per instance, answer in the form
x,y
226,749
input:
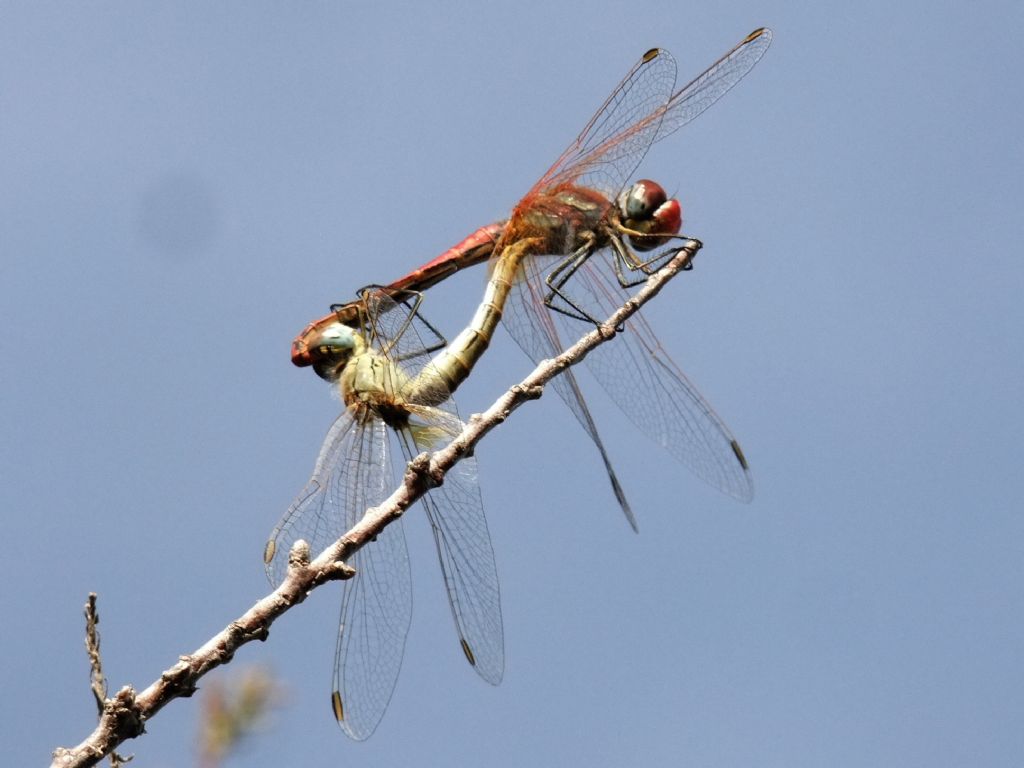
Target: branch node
x,y
418,475
527,392
608,331
298,555
339,571
123,715
180,678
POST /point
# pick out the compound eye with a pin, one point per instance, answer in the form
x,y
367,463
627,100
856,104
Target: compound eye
x,y
641,200
330,349
336,336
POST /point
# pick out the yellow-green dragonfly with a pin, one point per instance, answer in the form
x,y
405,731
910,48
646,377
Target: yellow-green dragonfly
x,y
380,363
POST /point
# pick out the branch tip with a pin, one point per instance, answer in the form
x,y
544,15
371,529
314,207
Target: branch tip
x,y
98,682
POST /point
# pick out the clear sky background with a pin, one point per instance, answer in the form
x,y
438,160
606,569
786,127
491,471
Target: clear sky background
x,y
183,187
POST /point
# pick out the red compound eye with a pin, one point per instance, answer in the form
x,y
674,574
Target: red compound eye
x,y
645,208
641,200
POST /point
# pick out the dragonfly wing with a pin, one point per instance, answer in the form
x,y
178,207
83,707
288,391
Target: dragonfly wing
x,y
464,549
326,507
615,140
714,82
533,328
353,473
642,110
376,607
376,610
651,389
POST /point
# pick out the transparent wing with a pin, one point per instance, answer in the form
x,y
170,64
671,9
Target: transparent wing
x,y
611,145
376,606
457,520
398,331
376,610
348,478
352,473
714,82
635,372
534,331
642,110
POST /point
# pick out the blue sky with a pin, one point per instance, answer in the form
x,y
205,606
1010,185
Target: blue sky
x,y
185,187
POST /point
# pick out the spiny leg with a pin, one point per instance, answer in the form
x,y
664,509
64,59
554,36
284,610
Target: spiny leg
x,y
561,274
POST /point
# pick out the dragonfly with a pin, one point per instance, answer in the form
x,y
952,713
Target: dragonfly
x,y
570,252
380,364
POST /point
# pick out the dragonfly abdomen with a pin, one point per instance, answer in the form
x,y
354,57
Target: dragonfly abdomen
x,y
454,364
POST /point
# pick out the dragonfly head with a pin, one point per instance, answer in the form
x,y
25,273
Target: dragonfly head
x,y
327,346
323,343
646,208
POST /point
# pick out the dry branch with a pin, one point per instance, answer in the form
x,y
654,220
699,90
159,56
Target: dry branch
x,y
124,716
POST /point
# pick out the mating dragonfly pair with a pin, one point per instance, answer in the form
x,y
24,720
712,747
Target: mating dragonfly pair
x,y
568,255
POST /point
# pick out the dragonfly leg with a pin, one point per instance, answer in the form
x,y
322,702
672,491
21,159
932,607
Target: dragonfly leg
x,y
560,275
627,257
439,342
376,303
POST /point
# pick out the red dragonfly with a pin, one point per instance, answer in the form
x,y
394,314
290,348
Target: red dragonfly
x,y
571,250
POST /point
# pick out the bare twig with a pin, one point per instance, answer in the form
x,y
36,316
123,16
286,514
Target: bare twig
x,y
92,647
124,716
98,681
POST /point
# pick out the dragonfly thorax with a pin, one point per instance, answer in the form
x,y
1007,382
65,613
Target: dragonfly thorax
x,y
373,384
566,219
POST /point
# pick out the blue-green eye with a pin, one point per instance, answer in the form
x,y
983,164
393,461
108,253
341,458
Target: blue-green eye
x,y
330,348
336,336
